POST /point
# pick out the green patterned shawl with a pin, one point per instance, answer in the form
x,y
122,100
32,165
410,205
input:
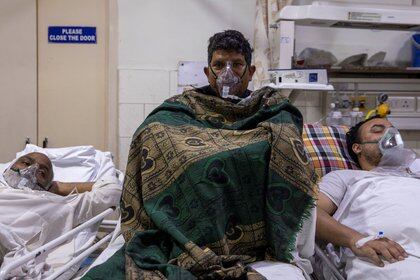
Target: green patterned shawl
x,y
211,186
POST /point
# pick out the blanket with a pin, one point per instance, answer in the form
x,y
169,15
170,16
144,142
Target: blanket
x,y
212,186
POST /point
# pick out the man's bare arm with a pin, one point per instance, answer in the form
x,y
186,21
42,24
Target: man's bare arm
x,y
64,189
330,230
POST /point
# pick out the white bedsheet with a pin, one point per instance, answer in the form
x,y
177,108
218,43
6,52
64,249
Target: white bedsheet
x,y
30,219
377,202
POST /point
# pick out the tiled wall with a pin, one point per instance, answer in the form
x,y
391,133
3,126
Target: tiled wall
x,y
310,105
140,92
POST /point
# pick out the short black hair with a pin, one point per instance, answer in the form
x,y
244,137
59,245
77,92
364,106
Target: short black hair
x,y
230,40
353,136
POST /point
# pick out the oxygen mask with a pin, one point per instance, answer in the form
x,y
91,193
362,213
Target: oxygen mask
x,y
24,178
229,83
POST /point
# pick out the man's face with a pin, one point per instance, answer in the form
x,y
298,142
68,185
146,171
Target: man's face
x,y
44,174
371,131
239,66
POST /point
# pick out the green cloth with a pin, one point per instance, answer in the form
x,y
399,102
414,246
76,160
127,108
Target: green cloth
x,y
212,186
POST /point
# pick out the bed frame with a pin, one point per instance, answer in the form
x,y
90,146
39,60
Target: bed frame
x,y
109,224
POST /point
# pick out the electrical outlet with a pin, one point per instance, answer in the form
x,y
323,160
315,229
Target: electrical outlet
x,y
402,103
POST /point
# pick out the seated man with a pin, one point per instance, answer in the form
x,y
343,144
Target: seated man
x,y
35,209
217,182
374,212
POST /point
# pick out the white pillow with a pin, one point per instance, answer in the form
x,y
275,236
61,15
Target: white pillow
x,y
73,164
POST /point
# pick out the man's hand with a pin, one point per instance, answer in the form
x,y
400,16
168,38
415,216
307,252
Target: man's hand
x,y
64,188
373,250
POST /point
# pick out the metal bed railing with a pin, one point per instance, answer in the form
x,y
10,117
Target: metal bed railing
x,y
58,241
327,261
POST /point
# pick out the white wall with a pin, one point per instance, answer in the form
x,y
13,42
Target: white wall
x,y
153,37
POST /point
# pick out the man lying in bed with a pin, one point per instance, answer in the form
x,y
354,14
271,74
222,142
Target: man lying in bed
x,y
357,207
35,209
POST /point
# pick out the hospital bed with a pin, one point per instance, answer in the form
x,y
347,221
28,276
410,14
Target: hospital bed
x,y
327,148
82,164
39,252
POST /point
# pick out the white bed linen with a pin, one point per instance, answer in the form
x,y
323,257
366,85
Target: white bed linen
x,y
30,219
377,202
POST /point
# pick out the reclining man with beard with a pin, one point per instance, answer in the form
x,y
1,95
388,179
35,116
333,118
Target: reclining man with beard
x,y
374,212
36,209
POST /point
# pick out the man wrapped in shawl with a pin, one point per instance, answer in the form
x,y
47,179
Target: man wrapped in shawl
x,y
218,185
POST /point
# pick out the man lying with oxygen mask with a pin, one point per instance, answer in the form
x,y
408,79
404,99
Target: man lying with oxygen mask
x,y
34,171
373,213
36,209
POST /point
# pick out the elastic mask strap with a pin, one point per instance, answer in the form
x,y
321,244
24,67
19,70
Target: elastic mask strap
x,y
246,67
15,170
243,74
214,74
369,142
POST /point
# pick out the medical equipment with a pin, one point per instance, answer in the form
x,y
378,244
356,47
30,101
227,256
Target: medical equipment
x,y
344,110
293,82
361,242
23,178
391,139
383,109
314,77
334,116
228,82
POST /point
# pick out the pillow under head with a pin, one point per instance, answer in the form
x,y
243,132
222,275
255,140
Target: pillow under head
x,y
327,148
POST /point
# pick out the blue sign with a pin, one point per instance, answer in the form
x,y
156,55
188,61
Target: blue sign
x,y
72,34
313,77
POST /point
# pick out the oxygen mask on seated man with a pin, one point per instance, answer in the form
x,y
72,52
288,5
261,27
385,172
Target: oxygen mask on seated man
x,y
228,82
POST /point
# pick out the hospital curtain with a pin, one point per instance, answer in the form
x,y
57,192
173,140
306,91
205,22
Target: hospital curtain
x,y
265,14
